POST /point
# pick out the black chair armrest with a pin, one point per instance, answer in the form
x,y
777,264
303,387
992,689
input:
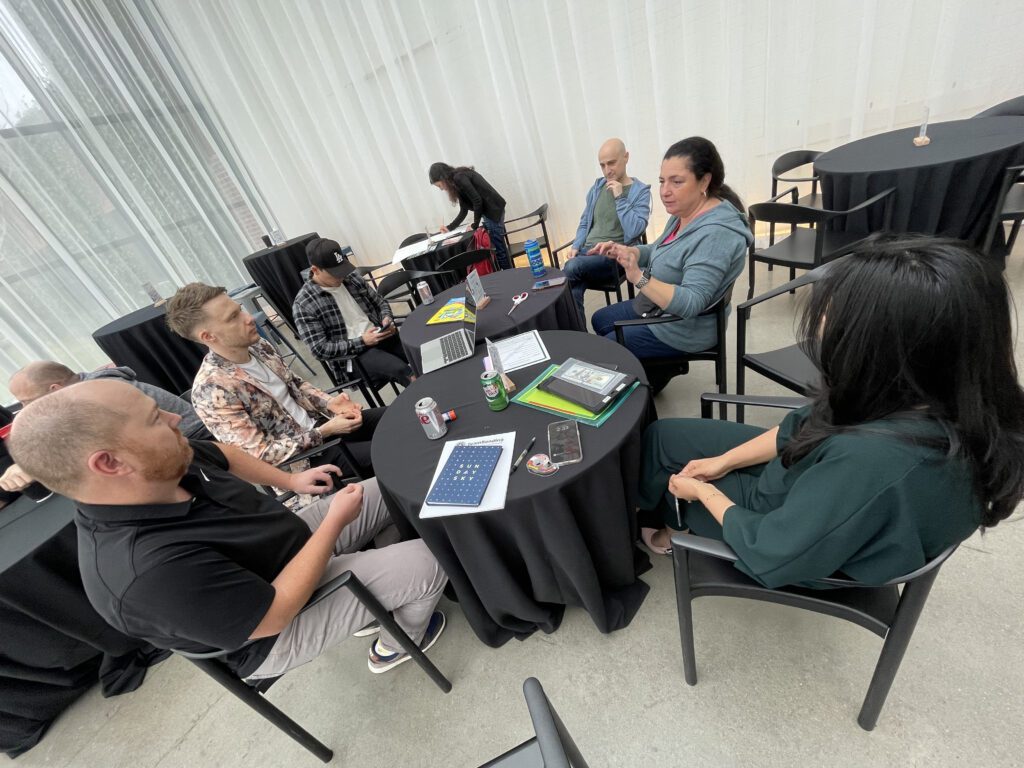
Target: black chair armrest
x,y
868,203
704,545
793,192
285,496
764,401
554,253
796,178
310,453
807,278
325,590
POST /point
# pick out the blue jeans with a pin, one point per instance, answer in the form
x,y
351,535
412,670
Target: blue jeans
x,y
589,272
639,339
496,230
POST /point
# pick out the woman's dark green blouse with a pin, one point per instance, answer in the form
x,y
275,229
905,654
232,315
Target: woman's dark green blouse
x,y
870,503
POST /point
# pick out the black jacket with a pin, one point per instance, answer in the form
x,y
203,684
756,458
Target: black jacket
x,y
476,195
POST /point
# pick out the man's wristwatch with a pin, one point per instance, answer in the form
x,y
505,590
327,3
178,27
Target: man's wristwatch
x,y
645,278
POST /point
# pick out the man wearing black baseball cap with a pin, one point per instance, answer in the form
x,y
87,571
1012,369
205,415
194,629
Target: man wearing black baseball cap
x,y
337,314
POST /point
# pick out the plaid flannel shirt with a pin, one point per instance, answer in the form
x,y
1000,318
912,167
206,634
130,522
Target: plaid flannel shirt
x,y
321,326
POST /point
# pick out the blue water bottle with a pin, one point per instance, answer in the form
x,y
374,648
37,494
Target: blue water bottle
x,y
536,262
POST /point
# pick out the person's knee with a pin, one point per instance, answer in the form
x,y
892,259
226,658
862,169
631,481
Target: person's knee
x,y
418,564
573,270
374,508
602,324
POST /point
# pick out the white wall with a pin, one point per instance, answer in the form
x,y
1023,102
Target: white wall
x,y
338,108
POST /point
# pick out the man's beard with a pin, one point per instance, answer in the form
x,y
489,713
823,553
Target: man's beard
x,y
162,465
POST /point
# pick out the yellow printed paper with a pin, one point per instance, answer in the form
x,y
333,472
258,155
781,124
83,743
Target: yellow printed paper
x,y
452,312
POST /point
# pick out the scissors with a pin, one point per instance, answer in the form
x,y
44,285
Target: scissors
x,y
518,299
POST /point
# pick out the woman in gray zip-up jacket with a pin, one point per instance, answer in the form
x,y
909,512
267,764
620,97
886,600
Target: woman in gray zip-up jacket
x,y
687,269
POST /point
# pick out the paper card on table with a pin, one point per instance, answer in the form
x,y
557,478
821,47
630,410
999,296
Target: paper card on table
x,y
521,351
497,489
475,288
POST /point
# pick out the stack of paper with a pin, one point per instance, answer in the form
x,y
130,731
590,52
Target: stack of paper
x,y
535,397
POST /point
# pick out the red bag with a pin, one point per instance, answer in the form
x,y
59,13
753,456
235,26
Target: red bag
x,y
481,239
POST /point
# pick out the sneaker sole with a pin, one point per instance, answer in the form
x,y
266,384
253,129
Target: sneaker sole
x,y
367,631
405,656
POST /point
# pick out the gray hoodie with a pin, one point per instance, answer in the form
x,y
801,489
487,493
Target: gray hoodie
x,y
703,260
190,426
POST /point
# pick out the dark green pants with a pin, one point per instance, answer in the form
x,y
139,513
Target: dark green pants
x,y
668,445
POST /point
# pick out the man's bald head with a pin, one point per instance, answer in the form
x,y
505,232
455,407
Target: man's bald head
x,y
53,439
40,378
613,157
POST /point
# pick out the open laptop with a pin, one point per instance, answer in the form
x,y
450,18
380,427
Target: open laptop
x,y
454,346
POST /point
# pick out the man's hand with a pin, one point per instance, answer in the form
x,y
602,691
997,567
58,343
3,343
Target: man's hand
x,y
346,504
706,469
15,479
684,487
387,330
340,403
444,228
309,481
614,186
572,254
370,337
342,424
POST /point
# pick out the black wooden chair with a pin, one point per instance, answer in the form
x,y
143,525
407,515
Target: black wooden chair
x,y
253,694
785,163
460,264
271,333
660,371
788,366
551,747
807,248
415,238
400,285
612,286
704,567
1009,208
537,218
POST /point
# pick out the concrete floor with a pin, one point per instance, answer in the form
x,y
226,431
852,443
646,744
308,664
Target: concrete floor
x,y
778,687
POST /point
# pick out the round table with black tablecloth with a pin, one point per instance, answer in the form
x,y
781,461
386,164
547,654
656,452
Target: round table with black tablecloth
x,y
948,187
545,310
55,646
431,260
142,341
565,539
278,272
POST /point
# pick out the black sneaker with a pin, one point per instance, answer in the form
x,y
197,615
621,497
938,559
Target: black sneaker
x,y
381,661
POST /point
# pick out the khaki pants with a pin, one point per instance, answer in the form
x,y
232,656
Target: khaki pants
x,y
405,577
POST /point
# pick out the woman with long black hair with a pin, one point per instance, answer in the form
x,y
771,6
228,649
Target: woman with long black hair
x,y
470,191
914,438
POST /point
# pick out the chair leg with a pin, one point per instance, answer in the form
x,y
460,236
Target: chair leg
x,y
908,612
608,298
1012,237
723,385
681,569
792,276
381,614
272,714
750,278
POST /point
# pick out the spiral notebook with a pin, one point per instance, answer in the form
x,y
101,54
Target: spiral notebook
x,y
465,476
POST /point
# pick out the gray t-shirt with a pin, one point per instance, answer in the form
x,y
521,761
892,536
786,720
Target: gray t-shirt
x,y
606,224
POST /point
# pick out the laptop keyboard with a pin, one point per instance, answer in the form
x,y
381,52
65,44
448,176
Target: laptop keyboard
x,y
453,347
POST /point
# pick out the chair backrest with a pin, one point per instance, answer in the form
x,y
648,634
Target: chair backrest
x,y
788,213
413,239
1010,177
392,281
460,263
1007,108
924,570
791,160
541,216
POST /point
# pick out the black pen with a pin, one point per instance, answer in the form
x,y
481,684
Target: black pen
x,y
523,454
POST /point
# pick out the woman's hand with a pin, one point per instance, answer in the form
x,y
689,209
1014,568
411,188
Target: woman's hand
x,y
685,488
706,469
611,249
628,261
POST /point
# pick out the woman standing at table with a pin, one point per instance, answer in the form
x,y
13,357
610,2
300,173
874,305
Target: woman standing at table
x,y
692,264
470,191
914,438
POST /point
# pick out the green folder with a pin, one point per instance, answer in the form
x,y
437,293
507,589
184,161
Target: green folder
x,y
533,397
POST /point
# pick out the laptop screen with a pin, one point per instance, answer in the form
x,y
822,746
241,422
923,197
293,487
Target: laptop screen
x,y
470,317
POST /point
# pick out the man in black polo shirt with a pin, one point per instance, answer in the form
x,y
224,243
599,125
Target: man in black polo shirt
x,y
177,548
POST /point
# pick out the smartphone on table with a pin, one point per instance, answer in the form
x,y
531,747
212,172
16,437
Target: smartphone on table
x,y
564,443
551,282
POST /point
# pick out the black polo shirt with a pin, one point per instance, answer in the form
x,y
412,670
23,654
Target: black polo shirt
x,y
195,575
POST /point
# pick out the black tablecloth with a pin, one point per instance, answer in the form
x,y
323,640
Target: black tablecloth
x,y
54,645
566,539
277,271
547,310
142,341
948,187
432,260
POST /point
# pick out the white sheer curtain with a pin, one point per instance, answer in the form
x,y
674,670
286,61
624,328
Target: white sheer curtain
x,y
340,107
112,174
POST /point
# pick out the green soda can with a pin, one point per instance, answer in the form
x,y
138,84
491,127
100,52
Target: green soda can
x,y
494,390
